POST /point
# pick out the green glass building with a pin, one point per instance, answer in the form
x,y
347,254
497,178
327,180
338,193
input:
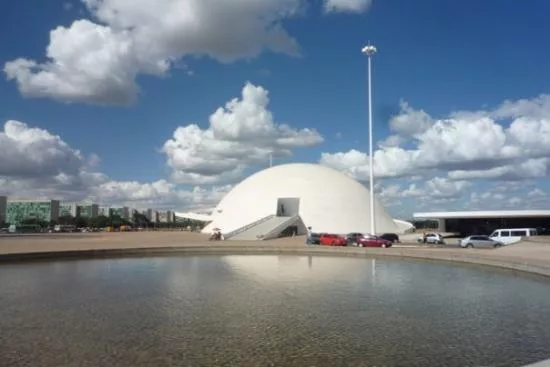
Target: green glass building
x,y
88,210
123,212
68,209
43,210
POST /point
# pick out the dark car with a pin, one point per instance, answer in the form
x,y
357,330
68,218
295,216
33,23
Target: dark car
x,y
353,238
374,241
315,238
392,237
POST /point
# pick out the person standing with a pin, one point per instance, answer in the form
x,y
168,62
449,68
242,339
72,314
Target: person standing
x,y
308,239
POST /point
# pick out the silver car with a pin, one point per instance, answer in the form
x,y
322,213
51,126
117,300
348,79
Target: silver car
x,y
478,241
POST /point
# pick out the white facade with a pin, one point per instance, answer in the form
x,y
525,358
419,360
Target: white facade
x,y
194,216
328,200
403,226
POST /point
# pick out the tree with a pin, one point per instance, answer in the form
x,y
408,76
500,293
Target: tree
x,y
140,220
81,222
99,222
33,223
66,220
115,220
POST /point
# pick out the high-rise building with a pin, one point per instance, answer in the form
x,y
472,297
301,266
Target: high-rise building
x,y
68,209
148,214
39,210
104,211
166,216
3,208
171,216
88,210
123,212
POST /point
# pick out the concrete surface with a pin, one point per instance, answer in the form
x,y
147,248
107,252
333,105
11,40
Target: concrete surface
x,y
526,256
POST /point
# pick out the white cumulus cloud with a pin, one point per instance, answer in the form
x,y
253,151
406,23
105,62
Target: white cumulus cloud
x,y
347,6
240,134
97,61
466,145
36,164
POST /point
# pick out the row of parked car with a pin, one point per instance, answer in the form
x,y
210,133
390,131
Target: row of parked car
x,y
354,239
497,238
466,242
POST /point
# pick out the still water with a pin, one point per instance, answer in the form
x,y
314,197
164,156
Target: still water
x,y
269,311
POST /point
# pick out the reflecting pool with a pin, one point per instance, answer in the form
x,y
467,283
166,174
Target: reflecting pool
x,y
269,311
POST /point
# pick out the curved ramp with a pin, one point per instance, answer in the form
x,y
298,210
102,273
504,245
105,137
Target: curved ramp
x,y
266,230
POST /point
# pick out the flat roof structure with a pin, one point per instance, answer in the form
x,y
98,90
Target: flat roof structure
x,y
486,221
194,216
483,214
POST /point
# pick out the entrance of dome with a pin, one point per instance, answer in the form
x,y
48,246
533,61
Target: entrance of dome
x,y
288,207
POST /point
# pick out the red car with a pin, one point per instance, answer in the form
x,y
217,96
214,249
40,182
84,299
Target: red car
x,y
332,240
370,241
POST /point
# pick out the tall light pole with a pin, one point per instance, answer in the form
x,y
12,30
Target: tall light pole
x,y
370,50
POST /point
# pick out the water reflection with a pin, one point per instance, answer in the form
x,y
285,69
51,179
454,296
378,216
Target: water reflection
x,y
268,310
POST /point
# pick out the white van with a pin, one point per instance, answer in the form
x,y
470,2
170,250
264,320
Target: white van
x,y
512,235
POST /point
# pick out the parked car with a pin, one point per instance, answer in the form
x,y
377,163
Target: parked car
x,y
332,240
392,237
352,238
373,241
431,238
315,238
479,241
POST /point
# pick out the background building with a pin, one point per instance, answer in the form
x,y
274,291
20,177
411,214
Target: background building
x,y
148,214
123,212
68,209
88,210
166,216
104,211
485,222
3,208
21,210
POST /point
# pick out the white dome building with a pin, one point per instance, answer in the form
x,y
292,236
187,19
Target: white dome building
x,y
300,195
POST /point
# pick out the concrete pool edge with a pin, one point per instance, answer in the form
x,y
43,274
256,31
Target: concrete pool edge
x,y
466,257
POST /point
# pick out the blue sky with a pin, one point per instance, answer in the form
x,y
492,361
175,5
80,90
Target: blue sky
x,y
436,58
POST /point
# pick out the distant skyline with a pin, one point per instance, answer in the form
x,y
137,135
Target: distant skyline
x,y
170,104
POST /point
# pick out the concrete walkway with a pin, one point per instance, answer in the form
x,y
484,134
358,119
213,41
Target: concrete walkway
x,y
528,256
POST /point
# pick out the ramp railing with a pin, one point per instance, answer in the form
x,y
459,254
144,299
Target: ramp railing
x,y
247,227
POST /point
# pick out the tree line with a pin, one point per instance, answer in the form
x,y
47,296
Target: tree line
x,y
138,220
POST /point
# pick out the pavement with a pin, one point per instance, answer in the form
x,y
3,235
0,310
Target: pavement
x,y
528,256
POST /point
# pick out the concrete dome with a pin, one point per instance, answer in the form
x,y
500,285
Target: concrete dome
x,y
325,199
